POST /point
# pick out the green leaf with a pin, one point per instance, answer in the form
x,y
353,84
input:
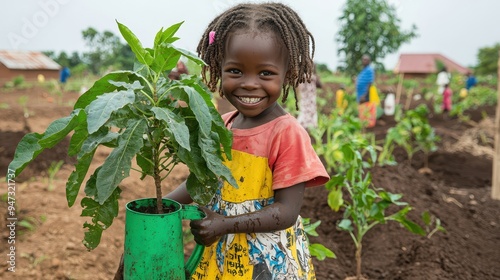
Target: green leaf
x,y
59,128
225,135
191,56
102,215
157,40
426,217
78,138
411,226
310,229
92,235
377,213
345,224
26,224
103,86
335,200
99,111
393,198
143,159
141,54
214,163
175,125
102,136
91,185
321,252
337,180
199,107
168,33
200,192
26,151
77,176
192,159
117,165
135,85
165,60
348,152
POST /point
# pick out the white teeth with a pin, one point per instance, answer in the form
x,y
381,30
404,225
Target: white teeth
x,y
250,100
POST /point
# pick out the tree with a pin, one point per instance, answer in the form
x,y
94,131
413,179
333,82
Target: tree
x,y
63,59
103,49
488,60
369,27
74,60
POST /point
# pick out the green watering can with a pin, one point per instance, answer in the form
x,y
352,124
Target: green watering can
x,y
154,247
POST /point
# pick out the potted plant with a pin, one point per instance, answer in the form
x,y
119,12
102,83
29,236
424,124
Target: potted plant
x,y
145,116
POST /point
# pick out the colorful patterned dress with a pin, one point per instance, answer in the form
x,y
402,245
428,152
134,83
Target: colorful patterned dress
x,y
274,155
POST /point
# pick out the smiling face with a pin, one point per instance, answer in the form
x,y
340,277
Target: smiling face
x,y
253,72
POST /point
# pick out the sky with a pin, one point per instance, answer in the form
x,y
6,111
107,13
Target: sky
x,y
454,28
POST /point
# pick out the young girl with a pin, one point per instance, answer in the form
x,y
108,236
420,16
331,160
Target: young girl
x,y
255,53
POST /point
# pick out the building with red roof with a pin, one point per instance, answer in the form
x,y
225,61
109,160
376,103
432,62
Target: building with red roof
x,y
28,64
421,65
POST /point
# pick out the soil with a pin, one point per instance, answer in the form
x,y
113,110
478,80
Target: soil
x,y
457,191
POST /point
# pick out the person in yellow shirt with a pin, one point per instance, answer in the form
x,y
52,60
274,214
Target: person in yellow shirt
x,y
341,101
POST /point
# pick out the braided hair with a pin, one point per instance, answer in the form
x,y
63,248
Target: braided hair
x,y
275,17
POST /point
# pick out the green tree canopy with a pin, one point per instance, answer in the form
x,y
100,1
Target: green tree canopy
x,y
369,27
106,49
488,60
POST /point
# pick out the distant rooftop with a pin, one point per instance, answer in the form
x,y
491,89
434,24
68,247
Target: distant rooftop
x,y
27,60
426,64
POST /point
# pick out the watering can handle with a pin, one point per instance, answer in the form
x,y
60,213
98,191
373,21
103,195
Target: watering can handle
x,y
192,212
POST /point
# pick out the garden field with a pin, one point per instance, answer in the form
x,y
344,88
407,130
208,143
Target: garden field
x,y
457,191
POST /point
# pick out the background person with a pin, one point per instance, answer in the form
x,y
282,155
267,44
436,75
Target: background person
x,y
471,81
308,111
367,110
447,93
443,79
64,75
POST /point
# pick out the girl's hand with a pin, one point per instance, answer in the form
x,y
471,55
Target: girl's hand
x,y
280,215
209,229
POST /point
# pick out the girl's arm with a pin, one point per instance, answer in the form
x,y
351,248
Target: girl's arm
x,y
280,215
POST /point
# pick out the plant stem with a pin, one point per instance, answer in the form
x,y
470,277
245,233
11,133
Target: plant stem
x,y
157,178
358,261
159,204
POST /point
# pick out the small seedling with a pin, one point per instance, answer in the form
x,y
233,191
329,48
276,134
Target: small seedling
x,y
429,221
31,223
23,101
34,261
52,172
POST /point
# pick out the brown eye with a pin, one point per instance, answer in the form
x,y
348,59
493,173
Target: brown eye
x,y
234,71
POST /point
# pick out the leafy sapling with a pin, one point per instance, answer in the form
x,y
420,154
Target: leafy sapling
x,y
364,206
52,172
141,115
